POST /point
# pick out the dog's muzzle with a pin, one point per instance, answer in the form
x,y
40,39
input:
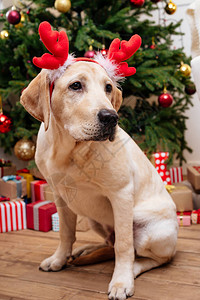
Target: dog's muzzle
x,y
108,120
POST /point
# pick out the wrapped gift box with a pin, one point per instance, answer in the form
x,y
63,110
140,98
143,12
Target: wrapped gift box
x,y
29,178
13,188
48,194
182,197
81,225
55,222
12,216
37,190
184,220
4,171
159,161
195,216
6,168
193,176
195,194
176,174
39,215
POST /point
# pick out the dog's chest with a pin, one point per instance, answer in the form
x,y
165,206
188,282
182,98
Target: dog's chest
x,y
87,200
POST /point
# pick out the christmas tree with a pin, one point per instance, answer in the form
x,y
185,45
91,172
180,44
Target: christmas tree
x,y
154,117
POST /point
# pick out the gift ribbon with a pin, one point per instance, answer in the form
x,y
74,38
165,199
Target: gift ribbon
x,y
2,198
197,169
23,171
181,219
1,171
5,163
17,180
171,188
36,213
37,192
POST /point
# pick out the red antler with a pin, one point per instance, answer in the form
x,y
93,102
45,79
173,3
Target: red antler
x,y
127,50
57,43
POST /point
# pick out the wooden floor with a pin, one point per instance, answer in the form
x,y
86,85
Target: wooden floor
x,y
22,251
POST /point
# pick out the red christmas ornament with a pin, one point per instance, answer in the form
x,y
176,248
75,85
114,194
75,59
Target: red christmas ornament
x,y
137,3
90,53
165,99
190,88
104,51
153,45
5,123
13,17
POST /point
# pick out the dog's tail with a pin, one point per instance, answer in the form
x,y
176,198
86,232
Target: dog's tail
x,y
97,256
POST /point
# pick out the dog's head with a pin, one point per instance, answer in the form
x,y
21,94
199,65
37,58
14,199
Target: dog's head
x,y
85,99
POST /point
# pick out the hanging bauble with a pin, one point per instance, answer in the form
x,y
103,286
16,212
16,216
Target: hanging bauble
x,y
24,149
4,34
90,53
13,17
153,45
165,99
104,51
170,8
185,69
23,18
28,11
5,123
137,3
190,88
62,6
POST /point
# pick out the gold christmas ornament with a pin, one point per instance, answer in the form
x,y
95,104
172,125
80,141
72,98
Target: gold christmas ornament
x,y
23,18
4,34
170,8
24,149
62,5
185,69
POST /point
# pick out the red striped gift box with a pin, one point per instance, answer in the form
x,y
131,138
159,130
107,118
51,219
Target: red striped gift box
x,y
12,216
176,174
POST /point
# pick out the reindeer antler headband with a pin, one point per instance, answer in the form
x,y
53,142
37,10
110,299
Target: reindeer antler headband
x,y
57,43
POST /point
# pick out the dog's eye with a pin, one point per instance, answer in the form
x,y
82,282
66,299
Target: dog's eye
x,y
108,88
76,86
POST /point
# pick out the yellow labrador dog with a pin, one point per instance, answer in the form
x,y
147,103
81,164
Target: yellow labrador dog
x,y
96,170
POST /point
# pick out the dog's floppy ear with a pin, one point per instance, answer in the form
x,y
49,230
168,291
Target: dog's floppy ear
x,y
35,98
117,99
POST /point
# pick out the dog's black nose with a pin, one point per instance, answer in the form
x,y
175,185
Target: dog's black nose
x,y
108,117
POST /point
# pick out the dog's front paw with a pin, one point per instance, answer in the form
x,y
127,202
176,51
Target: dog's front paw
x,y
52,263
121,289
